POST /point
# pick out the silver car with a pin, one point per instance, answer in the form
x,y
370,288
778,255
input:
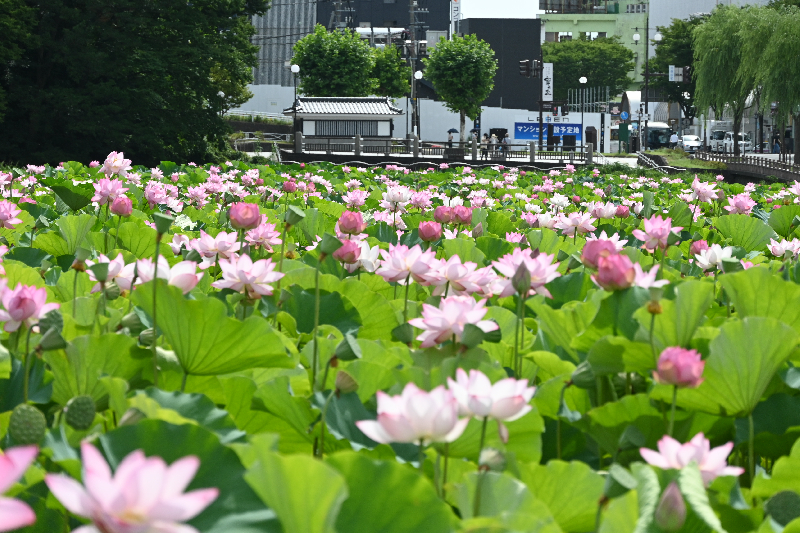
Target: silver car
x,y
690,143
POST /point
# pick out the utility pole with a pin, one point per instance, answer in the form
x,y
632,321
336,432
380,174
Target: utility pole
x,y
412,58
646,75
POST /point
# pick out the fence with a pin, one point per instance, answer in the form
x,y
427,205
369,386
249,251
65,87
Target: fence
x,y
753,165
455,151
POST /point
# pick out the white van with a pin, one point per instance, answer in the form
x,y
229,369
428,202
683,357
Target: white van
x,y
745,144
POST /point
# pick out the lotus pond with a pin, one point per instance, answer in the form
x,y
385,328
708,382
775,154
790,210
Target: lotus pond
x,y
320,348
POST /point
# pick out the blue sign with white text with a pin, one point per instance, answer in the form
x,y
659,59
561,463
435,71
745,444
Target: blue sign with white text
x,y
529,131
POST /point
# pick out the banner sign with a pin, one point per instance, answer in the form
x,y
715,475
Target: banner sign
x,y
547,82
529,131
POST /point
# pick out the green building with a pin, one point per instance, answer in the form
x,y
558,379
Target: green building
x,y
569,19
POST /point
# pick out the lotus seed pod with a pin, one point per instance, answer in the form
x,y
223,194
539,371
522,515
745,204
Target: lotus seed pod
x,y
27,425
80,412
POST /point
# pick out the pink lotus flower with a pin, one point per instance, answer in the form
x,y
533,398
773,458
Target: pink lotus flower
x,y
400,262
349,252
244,216
184,276
712,257
23,305
623,211
704,192
698,246
106,190
505,401
680,367
144,495
415,416
14,462
672,455
514,237
448,320
647,280
593,249
615,272
541,268
576,221
740,204
656,233
122,206
367,258
356,198
94,164
451,274
430,231
352,223
443,214
264,235
607,210
8,215
241,274
223,245
115,270
115,163
462,215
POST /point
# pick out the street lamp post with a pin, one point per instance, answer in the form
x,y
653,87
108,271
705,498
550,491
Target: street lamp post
x,y
295,71
636,38
415,103
583,81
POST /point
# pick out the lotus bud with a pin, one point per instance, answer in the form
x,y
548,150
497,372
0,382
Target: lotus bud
x,y
492,459
244,216
477,231
671,510
462,215
521,281
112,291
345,383
443,214
147,337
430,231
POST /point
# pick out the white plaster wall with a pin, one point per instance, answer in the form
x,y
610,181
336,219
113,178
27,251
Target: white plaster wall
x,y
269,99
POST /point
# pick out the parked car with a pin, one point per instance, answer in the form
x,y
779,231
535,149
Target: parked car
x,y
690,143
745,144
715,141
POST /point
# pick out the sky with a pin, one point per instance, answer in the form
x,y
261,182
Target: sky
x,y
500,8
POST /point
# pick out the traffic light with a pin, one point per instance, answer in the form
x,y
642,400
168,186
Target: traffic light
x,y
525,68
537,68
687,74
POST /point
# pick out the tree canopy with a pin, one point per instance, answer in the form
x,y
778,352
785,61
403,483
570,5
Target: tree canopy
x,y
340,63
604,62
132,75
336,63
462,72
675,48
391,72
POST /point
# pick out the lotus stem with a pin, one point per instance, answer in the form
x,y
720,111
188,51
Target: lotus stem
x,y
155,324
116,235
672,411
751,453
476,508
405,306
28,364
105,232
314,359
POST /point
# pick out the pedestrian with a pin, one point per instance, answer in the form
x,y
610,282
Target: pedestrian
x,y
449,139
485,146
504,145
673,140
492,145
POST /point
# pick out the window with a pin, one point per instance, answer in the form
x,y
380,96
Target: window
x,y
551,36
564,36
636,8
346,128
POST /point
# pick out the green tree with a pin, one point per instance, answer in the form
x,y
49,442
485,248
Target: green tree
x,y
392,74
16,23
718,55
103,75
771,44
337,63
675,48
604,62
462,72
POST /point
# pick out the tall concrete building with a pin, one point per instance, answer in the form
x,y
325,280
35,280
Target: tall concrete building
x,y
286,22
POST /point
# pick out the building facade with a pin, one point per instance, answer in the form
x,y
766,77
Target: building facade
x,y
277,31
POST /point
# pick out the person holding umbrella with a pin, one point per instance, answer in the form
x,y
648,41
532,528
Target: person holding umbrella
x,y
450,133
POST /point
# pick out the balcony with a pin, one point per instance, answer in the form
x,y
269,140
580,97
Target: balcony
x,y
583,7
